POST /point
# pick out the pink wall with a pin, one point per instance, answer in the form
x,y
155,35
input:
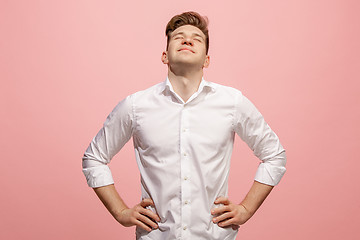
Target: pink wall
x,y
65,64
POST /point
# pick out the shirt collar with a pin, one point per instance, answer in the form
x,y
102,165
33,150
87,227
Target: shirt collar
x,y
203,85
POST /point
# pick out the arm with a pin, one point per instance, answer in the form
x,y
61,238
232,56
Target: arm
x,y
136,216
250,125
231,214
114,134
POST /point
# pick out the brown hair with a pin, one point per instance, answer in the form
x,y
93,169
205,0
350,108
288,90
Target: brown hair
x,y
188,18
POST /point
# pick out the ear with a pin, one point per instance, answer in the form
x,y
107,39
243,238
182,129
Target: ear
x,y
207,61
164,58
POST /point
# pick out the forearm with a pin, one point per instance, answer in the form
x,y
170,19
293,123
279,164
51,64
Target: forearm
x,y
256,196
111,199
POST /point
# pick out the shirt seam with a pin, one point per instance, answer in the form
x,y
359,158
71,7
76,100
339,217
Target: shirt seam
x,y
134,122
235,112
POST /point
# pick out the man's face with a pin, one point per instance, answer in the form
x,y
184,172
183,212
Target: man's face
x,y
187,47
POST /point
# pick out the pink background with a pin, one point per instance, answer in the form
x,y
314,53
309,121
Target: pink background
x,y
64,65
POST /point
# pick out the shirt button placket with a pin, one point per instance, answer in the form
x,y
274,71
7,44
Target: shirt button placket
x,y
185,174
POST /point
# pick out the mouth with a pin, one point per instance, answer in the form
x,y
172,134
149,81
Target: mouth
x,y
186,49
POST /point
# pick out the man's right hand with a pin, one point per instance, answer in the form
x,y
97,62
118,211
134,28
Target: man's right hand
x,y
139,216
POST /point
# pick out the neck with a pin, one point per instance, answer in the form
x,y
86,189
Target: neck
x,y
185,84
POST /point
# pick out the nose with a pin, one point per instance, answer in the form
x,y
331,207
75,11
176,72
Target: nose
x,y
187,41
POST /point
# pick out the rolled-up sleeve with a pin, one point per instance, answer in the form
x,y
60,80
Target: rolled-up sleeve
x,y
252,129
116,131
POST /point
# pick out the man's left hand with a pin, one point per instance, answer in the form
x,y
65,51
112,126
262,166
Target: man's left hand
x,y
230,214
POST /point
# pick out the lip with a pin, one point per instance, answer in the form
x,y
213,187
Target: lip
x,y
186,49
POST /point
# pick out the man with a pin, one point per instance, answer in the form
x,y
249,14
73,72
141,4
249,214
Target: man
x,y
183,131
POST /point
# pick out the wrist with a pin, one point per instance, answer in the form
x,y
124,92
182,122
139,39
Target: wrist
x,y
118,213
247,209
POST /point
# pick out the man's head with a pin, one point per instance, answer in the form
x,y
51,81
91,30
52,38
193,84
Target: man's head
x,y
187,43
188,18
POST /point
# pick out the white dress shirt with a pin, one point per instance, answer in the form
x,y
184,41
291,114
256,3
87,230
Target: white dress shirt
x,y
183,151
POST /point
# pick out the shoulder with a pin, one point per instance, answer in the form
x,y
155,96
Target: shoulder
x,y
155,89
129,99
143,99
226,91
124,109
241,103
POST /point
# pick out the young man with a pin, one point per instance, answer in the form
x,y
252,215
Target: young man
x,y
183,132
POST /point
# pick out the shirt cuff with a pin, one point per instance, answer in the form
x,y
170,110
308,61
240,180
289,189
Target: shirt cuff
x,y
98,176
271,171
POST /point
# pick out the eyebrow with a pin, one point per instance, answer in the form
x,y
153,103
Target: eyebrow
x,y
193,34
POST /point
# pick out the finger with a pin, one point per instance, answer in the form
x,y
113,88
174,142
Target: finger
x,y
226,223
149,222
142,225
223,217
223,200
235,227
220,210
153,216
147,202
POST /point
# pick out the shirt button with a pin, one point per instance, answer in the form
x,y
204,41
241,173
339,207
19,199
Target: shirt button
x,y
184,227
186,202
186,178
185,154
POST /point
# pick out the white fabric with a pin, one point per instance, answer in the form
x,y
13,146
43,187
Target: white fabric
x,y
183,152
